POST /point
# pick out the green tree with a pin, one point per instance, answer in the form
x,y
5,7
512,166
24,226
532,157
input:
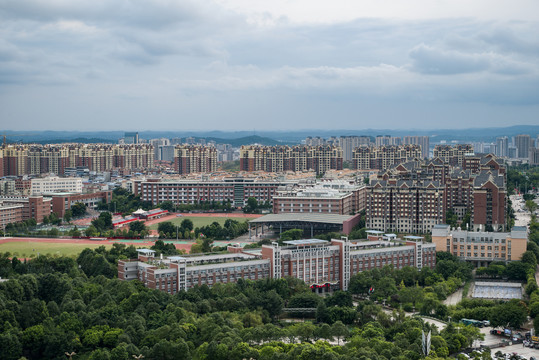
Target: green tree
x,y
68,215
167,205
531,206
78,209
90,231
512,312
187,224
167,228
516,270
137,227
292,234
339,330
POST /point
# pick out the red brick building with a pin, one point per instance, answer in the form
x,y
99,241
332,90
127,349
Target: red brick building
x,y
64,201
324,265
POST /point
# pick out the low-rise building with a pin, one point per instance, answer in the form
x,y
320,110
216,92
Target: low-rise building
x,y
32,207
332,197
64,201
10,213
479,247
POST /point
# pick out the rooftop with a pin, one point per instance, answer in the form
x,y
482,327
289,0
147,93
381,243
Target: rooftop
x,y
305,217
305,242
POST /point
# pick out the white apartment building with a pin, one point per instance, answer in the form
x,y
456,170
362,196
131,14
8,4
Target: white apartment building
x,y
54,184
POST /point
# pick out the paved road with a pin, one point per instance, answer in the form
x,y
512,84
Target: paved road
x,y
522,215
454,298
439,325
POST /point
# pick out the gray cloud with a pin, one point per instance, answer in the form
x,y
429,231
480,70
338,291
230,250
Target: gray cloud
x,y
189,59
428,60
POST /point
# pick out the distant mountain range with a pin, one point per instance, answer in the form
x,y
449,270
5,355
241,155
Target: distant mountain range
x,y
237,138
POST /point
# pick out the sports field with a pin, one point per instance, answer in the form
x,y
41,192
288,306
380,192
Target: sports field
x,y
199,221
28,248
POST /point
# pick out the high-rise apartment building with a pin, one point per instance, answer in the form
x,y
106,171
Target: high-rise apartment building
x,y
523,144
314,141
453,154
383,140
131,138
195,159
382,157
422,141
291,158
34,159
405,205
415,196
157,143
534,156
502,146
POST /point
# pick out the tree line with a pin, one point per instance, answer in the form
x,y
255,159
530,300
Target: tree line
x,y
53,305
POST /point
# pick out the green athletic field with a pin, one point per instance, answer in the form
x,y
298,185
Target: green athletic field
x,y
27,249
199,221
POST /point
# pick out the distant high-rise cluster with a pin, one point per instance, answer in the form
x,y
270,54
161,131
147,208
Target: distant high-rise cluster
x,y
384,156
422,141
350,143
195,159
320,158
35,159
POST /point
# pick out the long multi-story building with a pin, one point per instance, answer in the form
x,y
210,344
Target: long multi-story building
x,y
195,159
384,156
234,190
453,154
64,201
52,184
324,265
481,247
35,159
320,158
33,207
10,213
330,197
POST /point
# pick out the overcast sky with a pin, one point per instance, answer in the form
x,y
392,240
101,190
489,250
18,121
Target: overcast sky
x,y
268,65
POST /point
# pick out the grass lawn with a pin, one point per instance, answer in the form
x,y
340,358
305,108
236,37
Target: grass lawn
x,y
199,221
26,249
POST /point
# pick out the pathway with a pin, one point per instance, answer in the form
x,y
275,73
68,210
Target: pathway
x,y
454,298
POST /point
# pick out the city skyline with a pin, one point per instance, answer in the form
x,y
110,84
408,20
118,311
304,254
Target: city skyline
x,y
238,65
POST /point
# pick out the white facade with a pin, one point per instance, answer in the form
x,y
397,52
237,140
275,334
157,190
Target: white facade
x,y
54,184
